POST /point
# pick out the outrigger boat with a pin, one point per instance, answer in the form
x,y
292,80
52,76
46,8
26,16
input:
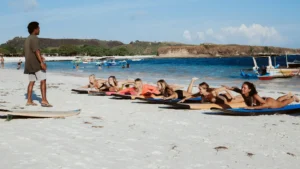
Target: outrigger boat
x,y
270,72
110,61
77,60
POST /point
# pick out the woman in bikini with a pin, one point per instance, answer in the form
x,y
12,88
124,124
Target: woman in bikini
x,y
212,95
170,92
139,90
254,101
111,84
92,81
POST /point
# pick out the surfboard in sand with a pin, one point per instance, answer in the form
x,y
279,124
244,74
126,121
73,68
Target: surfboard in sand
x,y
289,109
206,106
38,113
101,93
81,91
122,96
171,101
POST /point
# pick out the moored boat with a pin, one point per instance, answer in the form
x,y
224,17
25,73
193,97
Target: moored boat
x,y
270,72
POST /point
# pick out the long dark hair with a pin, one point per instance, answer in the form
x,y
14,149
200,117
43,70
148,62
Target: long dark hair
x,y
252,88
165,90
114,80
208,89
204,84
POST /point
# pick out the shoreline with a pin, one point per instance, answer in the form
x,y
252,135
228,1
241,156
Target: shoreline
x,y
70,58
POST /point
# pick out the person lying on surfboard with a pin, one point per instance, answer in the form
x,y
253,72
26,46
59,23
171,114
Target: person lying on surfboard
x,y
92,81
111,84
254,101
169,92
212,95
139,90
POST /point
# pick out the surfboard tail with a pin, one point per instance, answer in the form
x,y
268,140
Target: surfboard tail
x,y
180,106
80,91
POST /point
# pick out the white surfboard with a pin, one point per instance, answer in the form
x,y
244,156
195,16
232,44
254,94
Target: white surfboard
x,y
33,113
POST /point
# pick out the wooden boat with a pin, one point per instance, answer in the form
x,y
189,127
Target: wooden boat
x,y
270,72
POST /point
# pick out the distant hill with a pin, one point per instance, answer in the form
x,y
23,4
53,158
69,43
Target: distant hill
x,y
18,42
214,50
95,47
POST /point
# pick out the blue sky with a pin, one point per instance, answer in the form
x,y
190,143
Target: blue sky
x,y
250,22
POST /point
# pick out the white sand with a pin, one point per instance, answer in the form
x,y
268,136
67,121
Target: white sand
x,y
137,136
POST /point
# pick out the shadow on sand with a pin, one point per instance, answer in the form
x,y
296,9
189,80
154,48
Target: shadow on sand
x,y
34,97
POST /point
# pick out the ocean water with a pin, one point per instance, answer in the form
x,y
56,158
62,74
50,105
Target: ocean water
x,y
215,71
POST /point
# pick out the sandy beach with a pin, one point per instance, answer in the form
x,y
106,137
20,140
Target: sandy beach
x,y
111,134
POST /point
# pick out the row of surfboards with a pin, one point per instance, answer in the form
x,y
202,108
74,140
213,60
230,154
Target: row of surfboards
x,y
194,104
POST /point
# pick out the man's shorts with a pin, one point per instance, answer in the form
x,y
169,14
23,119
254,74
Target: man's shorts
x,y
37,76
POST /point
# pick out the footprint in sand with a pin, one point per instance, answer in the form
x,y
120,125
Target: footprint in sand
x,y
97,118
249,154
221,148
291,154
17,107
97,126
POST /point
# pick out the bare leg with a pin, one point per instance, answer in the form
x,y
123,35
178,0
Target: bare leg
x,y
29,94
190,88
284,97
296,99
44,91
283,103
264,106
271,103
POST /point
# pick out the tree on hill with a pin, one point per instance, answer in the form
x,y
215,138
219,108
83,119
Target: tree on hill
x,y
68,50
122,51
5,52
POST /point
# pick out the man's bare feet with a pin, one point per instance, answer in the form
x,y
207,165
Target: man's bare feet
x,y
290,94
195,78
31,104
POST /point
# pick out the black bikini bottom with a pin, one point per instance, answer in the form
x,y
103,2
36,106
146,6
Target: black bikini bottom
x,y
179,94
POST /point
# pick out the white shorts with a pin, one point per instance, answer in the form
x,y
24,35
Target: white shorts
x,y
37,76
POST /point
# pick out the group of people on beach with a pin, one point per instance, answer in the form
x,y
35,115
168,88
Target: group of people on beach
x,y
221,95
35,67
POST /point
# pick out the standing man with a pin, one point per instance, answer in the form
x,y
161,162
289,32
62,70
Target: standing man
x,y
34,64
